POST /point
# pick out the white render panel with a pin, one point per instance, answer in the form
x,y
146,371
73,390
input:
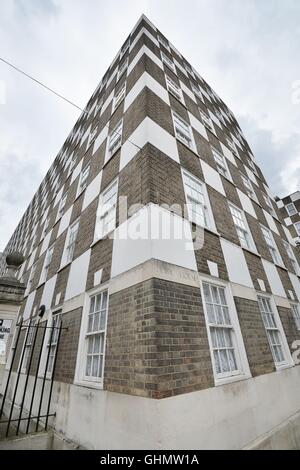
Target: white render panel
x,y
162,140
76,171
64,221
86,135
288,221
261,285
296,196
288,234
78,275
229,155
146,81
115,72
148,132
246,203
198,126
212,178
100,139
28,306
147,33
31,259
273,278
213,268
251,175
58,196
280,204
144,50
92,191
48,292
179,66
107,102
46,242
186,90
153,233
128,150
236,265
271,222
296,284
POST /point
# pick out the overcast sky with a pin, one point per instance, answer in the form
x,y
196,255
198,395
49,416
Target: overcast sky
x,y
247,50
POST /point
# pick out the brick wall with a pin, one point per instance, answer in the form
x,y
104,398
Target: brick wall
x,y
255,338
156,341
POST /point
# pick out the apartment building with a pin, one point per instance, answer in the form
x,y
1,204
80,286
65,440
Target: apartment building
x,y
157,242
289,209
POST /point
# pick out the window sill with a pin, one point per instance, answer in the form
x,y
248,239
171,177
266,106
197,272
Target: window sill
x,y
253,252
181,101
186,146
64,266
284,366
173,69
110,154
232,379
86,384
104,237
115,107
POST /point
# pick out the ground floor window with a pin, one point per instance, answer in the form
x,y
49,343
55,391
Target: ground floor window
x,y
225,339
90,363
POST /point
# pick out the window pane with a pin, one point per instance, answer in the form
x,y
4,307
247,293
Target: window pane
x,y
224,353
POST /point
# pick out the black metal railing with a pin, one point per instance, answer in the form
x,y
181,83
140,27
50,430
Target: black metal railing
x,y
41,345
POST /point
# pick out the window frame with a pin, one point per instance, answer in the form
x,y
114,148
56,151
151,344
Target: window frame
x,y
46,265
288,361
244,370
292,257
217,155
66,260
296,317
269,204
247,183
27,345
196,90
46,226
31,278
189,70
178,132
210,225
111,151
57,315
80,377
164,42
167,61
83,179
296,225
272,246
62,205
100,217
246,230
125,47
122,68
117,100
294,208
173,88
232,146
207,121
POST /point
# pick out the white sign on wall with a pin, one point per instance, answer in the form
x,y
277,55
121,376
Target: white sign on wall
x,y
5,327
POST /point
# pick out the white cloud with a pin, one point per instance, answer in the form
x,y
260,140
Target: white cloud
x,y
246,50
